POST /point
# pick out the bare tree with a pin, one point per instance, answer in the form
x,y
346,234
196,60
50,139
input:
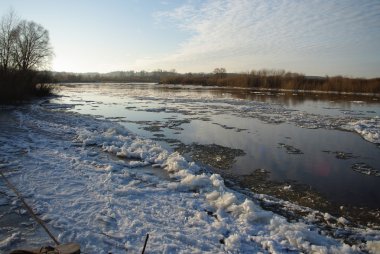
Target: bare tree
x,y
220,72
8,35
32,47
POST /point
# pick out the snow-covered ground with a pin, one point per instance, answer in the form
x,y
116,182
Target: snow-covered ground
x,y
96,183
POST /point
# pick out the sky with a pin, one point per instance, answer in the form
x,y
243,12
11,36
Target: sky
x,y
314,37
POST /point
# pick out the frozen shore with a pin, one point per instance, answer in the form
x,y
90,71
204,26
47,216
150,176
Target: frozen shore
x,y
98,184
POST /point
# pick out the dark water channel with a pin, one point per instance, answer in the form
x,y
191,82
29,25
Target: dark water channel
x,y
291,145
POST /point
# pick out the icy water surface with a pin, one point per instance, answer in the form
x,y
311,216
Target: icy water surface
x,y
318,150
105,164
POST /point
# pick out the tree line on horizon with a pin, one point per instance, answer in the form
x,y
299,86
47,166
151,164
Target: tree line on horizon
x,y
265,78
115,76
24,50
276,79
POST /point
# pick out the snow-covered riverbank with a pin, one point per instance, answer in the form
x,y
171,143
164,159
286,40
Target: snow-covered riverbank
x,y
97,184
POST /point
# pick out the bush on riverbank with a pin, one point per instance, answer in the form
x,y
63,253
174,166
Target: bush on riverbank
x,y
24,49
278,79
19,85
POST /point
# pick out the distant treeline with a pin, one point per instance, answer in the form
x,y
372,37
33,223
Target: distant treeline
x,y
276,79
267,79
116,76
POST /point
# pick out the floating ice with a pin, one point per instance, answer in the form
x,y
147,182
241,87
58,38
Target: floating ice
x,y
290,149
366,169
369,129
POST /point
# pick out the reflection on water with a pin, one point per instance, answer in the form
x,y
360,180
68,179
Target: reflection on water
x,y
295,137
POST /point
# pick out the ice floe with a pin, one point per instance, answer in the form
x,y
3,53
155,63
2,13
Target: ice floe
x,y
369,129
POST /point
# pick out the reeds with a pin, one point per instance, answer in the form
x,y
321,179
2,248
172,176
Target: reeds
x,y
278,79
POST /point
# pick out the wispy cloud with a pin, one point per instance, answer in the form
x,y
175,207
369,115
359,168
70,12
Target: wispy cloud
x,y
244,34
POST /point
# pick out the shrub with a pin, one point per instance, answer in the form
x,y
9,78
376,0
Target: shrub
x,y
19,85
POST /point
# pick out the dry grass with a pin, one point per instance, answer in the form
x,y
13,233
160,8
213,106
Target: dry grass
x,y
274,79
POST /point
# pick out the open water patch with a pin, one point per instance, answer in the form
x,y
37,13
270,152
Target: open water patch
x,y
297,201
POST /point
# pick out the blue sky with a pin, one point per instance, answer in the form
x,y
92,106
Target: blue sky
x,y
315,37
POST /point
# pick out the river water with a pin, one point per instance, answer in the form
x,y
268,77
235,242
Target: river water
x,y
296,146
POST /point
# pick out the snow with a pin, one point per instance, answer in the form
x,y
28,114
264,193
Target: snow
x,y
369,129
373,246
96,183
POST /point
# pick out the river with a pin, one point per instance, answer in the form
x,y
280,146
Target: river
x,y
199,169
296,146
